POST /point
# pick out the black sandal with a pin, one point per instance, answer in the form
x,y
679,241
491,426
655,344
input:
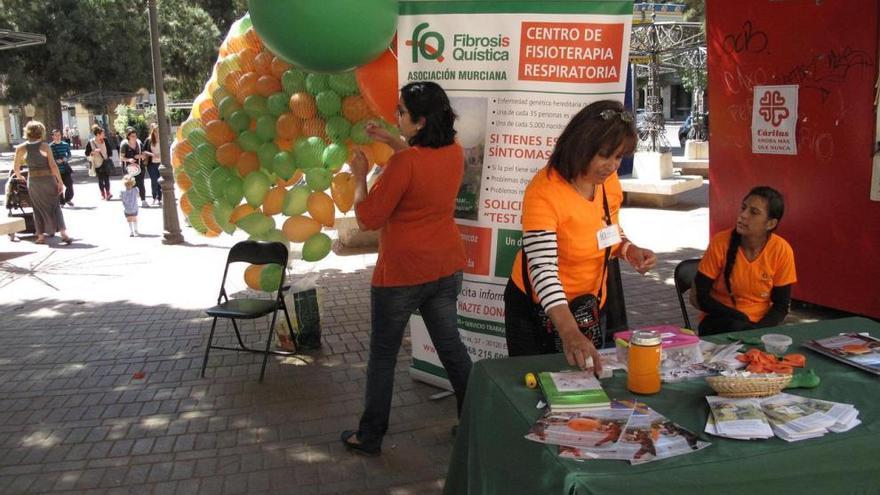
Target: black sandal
x,y
358,448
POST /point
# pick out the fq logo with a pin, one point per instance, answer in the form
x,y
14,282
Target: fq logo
x,y
421,44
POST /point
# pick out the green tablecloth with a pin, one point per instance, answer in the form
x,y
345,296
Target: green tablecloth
x,y
491,456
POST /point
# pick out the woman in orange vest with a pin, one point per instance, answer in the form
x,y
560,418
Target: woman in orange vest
x,y
744,279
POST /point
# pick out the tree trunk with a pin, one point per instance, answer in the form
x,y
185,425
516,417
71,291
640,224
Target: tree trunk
x,y
52,113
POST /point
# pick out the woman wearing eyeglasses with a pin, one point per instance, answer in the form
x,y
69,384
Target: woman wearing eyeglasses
x,y
570,230
420,250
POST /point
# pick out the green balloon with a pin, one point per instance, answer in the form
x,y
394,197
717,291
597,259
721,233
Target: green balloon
x,y
344,84
325,35
337,128
266,155
315,83
283,165
191,164
296,201
250,141
256,186
197,136
328,103
270,277
220,94
228,106
188,126
276,235
205,153
239,120
293,81
318,179
359,134
195,220
278,103
234,191
217,182
256,106
308,153
222,212
197,198
256,224
316,247
334,156
266,127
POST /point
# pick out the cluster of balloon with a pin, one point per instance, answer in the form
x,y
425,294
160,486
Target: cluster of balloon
x,y
266,139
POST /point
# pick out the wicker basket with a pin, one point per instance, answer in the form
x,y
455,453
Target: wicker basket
x,y
758,385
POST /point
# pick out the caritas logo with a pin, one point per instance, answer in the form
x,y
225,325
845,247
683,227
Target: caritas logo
x,y
429,45
772,108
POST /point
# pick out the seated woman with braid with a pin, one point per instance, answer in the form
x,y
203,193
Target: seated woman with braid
x,y
744,279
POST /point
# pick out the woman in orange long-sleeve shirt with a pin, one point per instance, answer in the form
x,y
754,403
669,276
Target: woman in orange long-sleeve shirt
x,y
420,250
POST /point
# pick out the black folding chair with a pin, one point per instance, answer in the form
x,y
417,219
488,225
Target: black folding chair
x,y
684,280
257,253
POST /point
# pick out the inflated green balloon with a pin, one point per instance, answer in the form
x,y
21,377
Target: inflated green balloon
x,y
318,179
205,153
296,201
191,164
270,277
197,136
197,199
227,106
283,165
276,235
359,133
256,186
316,247
334,156
195,220
239,120
217,181
278,104
220,94
234,191
315,83
325,35
266,155
266,127
293,81
256,106
256,224
222,212
344,84
308,153
329,103
188,126
337,128
250,141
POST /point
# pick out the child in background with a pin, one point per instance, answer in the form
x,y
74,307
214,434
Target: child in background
x,y
130,204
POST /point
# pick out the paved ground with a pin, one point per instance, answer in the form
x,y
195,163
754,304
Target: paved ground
x,y
80,321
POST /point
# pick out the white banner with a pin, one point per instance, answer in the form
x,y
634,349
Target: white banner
x,y
774,120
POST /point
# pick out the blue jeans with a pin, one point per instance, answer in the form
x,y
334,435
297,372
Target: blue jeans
x,y
391,310
153,170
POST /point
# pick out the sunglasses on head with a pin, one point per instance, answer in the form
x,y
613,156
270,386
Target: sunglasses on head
x,y
610,114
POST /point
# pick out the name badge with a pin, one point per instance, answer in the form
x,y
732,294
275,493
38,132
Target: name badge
x,y
608,236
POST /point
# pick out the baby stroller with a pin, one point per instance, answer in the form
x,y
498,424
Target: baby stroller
x,y
17,198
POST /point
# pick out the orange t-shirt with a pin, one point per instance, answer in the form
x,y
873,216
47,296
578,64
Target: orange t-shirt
x,y
750,281
553,204
413,202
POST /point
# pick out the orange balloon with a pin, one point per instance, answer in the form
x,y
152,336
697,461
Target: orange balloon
x,y
219,132
378,84
224,49
342,190
367,150
314,127
178,135
240,212
322,208
355,109
248,162
284,144
288,126
274,201
303,105
207,215
381,152
230,82
293,180
263,63
210,114
252,40
206,104
300,228
185,206
279,66
179,151
252,276
236,43
228,154
247,85
267,86
183,181
246,59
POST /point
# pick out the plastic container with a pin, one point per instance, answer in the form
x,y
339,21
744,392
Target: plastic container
x,y
643,367
776,343
679,349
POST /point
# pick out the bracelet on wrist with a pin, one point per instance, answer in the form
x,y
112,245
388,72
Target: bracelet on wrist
x,y
624,249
